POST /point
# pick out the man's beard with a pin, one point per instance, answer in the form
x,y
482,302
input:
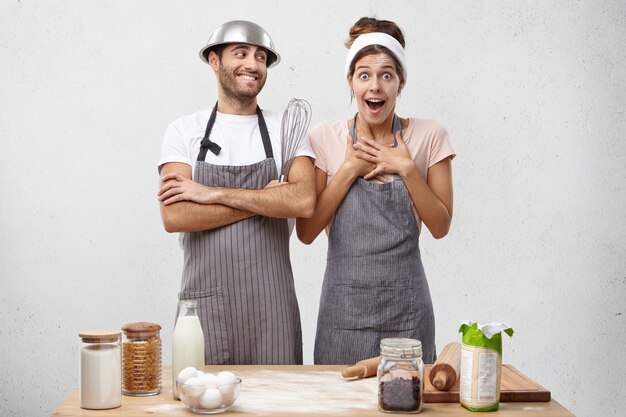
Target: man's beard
x,y
233,91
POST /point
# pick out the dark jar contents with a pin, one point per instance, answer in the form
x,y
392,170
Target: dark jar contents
x,y
141,359
400,394
400,376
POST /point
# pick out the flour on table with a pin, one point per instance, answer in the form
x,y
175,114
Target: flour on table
x,y
164,408
274,391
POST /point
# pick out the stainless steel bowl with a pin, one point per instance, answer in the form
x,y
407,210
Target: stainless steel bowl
x,y
241,31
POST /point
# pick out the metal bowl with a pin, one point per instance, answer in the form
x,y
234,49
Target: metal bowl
x,y
241,31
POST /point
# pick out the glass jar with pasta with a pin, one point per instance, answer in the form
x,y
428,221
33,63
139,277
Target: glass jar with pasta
x,y
141,359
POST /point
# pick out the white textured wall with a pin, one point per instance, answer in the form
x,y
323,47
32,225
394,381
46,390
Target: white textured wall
x,y
533,95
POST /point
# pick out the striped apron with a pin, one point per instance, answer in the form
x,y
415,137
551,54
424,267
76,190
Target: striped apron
x,y
374,285
240,274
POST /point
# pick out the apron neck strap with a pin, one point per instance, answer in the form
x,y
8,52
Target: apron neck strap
x,y
397,127
265,136
208,145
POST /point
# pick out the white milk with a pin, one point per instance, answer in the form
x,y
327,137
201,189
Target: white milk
x,y
100,376
188,347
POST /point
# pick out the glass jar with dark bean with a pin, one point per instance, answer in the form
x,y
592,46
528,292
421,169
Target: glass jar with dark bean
x,y
400,376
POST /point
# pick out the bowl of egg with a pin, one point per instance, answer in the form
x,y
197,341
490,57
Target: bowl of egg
x,y
206,393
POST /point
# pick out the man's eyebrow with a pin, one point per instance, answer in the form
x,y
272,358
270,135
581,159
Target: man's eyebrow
x,y
241,46
247,47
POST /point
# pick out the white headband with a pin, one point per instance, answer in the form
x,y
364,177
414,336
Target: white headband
x,y
377,38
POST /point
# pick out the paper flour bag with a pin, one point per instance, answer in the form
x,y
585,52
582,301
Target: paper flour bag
x,y
481,365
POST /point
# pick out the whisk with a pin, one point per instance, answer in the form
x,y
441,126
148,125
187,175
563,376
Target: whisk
x,y
296,119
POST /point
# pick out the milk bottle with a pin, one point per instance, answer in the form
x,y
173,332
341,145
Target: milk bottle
x,y
188,341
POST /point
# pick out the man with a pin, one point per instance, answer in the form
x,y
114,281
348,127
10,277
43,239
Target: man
x,y
218,185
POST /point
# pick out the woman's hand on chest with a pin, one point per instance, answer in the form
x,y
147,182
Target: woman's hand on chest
x,y
385,158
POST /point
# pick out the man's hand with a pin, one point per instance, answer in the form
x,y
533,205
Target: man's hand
x,y
177,187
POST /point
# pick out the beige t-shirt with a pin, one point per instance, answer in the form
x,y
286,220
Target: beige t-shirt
x,y
426,140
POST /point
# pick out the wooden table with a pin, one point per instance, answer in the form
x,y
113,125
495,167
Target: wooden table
x,y
302,391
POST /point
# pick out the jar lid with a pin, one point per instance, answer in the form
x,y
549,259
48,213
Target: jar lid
x,y
100,336
401,347
140,327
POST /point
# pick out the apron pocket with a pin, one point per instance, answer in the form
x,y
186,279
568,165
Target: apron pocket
x,y
380,307
212,317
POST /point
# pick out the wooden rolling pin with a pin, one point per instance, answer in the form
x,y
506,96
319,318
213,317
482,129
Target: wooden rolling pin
x,y
445,370
362,369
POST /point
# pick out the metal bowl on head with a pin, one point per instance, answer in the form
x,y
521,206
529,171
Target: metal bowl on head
x,y
214,399
241,31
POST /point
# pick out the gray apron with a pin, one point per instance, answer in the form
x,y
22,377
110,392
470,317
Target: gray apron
x,y
374,286
240,274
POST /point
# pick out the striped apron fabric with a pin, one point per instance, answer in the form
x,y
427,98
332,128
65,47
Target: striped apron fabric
x,y
374,285
240,274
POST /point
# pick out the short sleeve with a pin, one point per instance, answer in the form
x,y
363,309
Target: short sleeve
x,y
304,148
175,148
440,146
316,138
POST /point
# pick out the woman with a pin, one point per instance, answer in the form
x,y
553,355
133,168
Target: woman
x,y
378,178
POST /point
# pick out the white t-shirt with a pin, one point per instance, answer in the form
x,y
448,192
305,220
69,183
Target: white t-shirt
x,y
238,136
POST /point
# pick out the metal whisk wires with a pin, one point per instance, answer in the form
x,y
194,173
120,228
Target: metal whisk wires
x,y
295,123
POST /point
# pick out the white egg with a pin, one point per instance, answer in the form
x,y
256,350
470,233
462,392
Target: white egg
x,y
211,398
200,373
191,402
210,380
194,387
226,382
226,377
185,374
228,397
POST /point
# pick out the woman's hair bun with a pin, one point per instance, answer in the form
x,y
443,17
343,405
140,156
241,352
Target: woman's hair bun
x,y
370,24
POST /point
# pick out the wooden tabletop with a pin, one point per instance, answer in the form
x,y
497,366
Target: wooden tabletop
x,y
303,391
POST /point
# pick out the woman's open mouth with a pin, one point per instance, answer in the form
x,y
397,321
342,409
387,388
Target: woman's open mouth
x,y
375,104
